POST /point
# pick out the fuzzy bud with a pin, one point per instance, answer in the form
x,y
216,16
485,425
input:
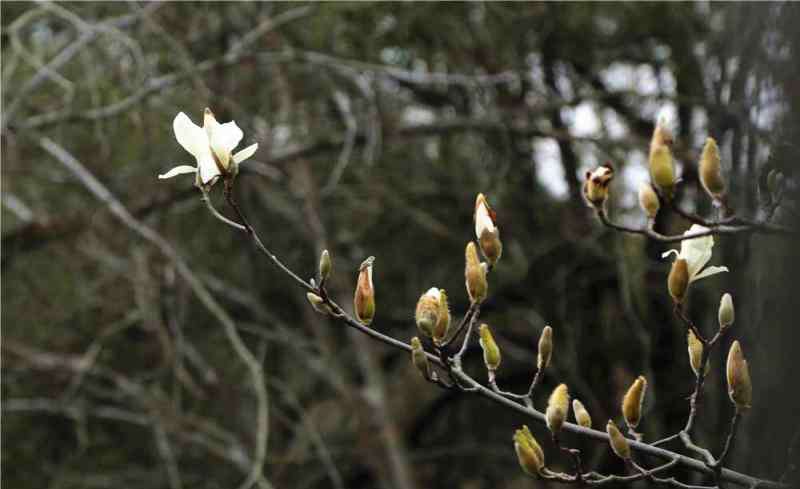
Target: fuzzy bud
x,y
695,347
678,280
427,313
545,348
740,389
617,441
710,170
364,299
595,188
726,312
662,171
324,266
475,274
648,200
443,323
318,303
529,452
633,401
491,352
581,414
557,408
486,230
419,358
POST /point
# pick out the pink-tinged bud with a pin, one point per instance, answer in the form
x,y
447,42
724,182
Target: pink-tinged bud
x,y
364,300
740,388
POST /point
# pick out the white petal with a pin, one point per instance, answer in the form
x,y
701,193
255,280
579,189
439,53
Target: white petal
x,y
191,136
225,137
483,222
434,292
208,168
245,153
178,170
709,272
696,251
670,252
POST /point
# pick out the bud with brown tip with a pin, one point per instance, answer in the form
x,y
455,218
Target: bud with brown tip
x,y
545,348
678,280
491,352
633,401
419,358
595,187
557,408
740,388
486,230
475,275
581,414
695,347
648,200
726,312
617,441
711,171
364,299
529,452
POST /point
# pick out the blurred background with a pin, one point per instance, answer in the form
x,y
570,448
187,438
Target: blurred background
x,y
377,126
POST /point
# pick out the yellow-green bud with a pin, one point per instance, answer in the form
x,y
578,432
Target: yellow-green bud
x,y
711,171
557,408
324,266
740,388
726,312
419,358
648,200
486,230
364,299
491,352
617,441
529,452
475,275
633,401
678,280
318,303
545,348
443,323
695,347
661,170
581,414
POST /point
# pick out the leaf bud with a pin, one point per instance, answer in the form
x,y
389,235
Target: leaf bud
x,y
318,303
324,266
419,358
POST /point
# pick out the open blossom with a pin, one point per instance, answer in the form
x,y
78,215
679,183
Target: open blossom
x,y
211,145
697,253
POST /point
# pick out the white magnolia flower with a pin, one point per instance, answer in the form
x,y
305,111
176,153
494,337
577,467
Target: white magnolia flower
x,y
697,253
483,217
211,145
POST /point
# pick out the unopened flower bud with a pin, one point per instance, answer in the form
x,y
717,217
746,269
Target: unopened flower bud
x,y
633,401
581,414
318,303
491,352
678,280
475,275
419,358
662,171
529,452
617,441
427,313
557,408
710,170
695,347
443,323
726,313
595,188
648,200
740,389
364,299
545,348
324,266
486,230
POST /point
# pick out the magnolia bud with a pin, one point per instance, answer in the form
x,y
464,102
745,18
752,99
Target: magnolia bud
x,y
740,389
529,452
486,230
595,188
364,300
318,303
419,358
581,414
491,353
324,266
632,402
427,313
618,442
545,348
648,200
661,169
710,170
726,314
695,347
678,280
475,275
557,408
443,323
